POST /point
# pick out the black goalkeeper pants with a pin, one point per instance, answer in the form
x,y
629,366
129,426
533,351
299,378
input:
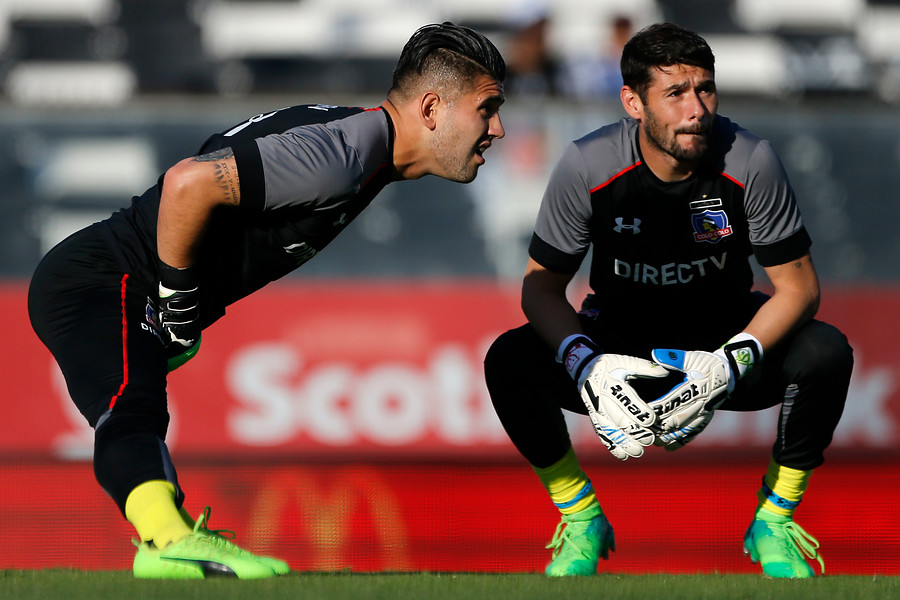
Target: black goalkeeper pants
x,y
808,374
97,322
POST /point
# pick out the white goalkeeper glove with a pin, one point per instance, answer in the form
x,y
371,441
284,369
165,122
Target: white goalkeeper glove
x,y
620,417
709,378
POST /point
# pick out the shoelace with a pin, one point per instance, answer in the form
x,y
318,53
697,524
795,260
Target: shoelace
x,y
561,536
807,544
220,537
557,541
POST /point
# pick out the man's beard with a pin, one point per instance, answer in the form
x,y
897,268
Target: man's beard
x,y
457,163
657,135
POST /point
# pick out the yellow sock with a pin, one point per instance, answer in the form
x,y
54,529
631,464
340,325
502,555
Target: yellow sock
x,y
150,507
782,489
569,487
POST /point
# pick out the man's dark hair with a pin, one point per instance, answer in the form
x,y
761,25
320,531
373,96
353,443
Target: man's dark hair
x,y
662,45
447,50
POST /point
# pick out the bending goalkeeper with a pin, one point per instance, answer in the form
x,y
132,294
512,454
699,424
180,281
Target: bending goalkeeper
x,y
673,200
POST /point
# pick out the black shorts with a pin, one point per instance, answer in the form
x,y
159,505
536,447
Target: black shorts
x,y
99,324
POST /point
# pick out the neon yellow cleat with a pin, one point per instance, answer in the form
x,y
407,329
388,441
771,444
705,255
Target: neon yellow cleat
x,y
226,535
202,554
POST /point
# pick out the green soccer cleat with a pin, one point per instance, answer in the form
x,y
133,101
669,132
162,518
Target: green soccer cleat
x,y
202,554
579,543
782,548
226,535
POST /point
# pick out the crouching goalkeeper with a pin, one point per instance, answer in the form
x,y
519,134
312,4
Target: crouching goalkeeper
x,y
673,199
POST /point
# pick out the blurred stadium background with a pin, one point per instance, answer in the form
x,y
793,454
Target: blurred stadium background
x,y
338,418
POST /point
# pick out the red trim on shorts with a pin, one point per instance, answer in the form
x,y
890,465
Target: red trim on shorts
x,y
112,402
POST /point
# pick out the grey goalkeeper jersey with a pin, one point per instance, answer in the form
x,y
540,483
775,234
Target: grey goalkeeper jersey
x,y
305,173
675,254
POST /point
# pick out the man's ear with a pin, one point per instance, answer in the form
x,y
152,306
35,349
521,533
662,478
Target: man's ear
x,y
428,108
632,103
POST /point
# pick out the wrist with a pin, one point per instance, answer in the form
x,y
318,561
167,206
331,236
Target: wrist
x,y
174,278
575,353
743,353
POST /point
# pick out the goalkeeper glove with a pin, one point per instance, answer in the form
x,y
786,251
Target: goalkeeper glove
x,y
620,417
709,378
179,305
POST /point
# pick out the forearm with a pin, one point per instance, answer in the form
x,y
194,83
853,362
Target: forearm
x,y
546,307
777,318
554,320
178,232
794,302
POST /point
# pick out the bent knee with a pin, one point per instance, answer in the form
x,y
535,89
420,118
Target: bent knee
x,y
833,347
512,347
825,348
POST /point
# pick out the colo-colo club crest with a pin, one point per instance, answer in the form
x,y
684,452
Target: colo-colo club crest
x,y
710,226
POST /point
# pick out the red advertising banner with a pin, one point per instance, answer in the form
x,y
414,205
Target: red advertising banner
x,y
670,516
387,369
346,425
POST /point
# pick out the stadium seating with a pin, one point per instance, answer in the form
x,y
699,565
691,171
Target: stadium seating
x,y
114,49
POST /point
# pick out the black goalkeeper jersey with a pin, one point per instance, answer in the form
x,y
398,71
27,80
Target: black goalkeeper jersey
x,y
674,255
305,173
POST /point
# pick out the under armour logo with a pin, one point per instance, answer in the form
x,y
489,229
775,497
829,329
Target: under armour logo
x,y
621,226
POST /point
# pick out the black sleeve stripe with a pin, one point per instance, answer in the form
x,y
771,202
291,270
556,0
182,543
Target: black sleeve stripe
x,y
553,259
250,175
784,251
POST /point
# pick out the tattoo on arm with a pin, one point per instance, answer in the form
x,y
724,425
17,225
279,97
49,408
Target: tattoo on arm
x,y
215,155
225,174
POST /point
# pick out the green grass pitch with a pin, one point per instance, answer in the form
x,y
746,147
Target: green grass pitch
x,y
94,585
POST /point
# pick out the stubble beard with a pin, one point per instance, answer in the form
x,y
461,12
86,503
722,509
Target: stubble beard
x,y
456,162
656,134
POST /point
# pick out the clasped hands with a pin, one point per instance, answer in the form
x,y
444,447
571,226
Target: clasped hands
x,y
626,423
